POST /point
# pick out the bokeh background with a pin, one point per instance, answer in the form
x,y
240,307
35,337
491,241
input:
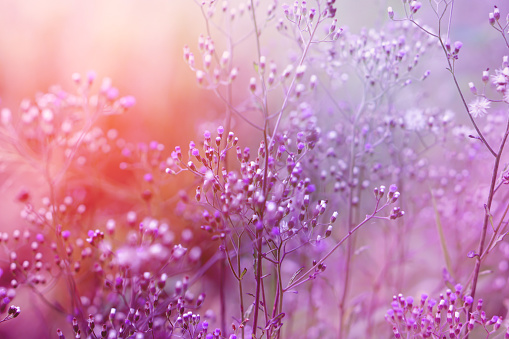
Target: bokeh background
x,y
139,45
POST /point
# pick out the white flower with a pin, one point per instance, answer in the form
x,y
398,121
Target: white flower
x,y
499,79
415,119
479,107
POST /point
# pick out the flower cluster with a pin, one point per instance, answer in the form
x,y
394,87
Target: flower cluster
x,y
331,175
445,317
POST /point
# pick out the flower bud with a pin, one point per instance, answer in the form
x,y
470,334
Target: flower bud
x,y
415,6
328,232
390,11
333,217
263,62
233,74
200,299
496,13
225,58
252,85
485,76
491,19
472,88
333,25
200,75
457,46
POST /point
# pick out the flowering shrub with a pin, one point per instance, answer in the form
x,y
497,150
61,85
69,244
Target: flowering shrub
x,y
333,184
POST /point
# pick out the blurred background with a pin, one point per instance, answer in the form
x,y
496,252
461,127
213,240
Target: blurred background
x,y
138,44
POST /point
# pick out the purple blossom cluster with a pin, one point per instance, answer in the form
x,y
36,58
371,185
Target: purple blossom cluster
x,y
331,183
446,317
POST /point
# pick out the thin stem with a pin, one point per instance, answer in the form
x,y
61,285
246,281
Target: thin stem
x,y
222,295
451,70
287,96
484,230
494,236
349,244
241,293
259,243
305,276
258,275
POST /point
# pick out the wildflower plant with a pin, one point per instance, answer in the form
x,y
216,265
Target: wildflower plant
x,y
310,198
